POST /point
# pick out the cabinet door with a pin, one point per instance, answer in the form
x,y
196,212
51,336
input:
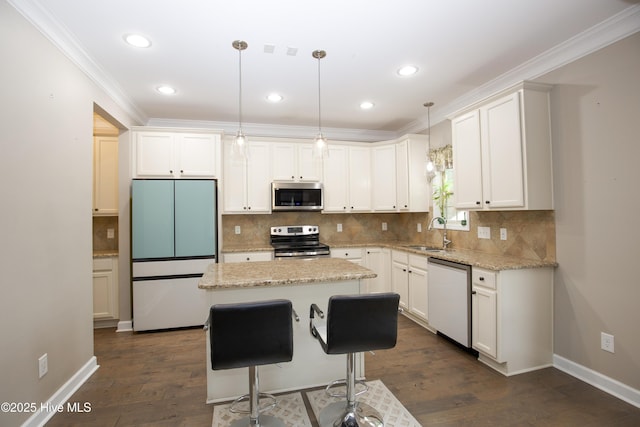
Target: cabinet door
x,y
154,154
378,260
418,292
195,218
309,164
484,320
336,175
384,178
284,161
105,176
152,224
400,282
465,133
502,169
103,296
258,177
402,176
198,155
359,178
235,182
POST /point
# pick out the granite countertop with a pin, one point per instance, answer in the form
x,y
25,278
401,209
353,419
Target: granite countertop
x,y
281,272
463,256
106,253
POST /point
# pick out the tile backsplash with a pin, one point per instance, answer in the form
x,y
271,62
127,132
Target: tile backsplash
x,y
100,226
530,234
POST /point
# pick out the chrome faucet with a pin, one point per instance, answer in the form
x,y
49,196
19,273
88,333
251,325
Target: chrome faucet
x,y
445,241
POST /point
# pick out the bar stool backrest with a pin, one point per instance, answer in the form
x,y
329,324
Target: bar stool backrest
x,y
250,334
358,323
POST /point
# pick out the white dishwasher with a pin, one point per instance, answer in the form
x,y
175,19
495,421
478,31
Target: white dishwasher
x,y
449,299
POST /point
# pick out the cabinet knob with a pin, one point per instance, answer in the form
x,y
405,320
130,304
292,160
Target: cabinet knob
x,y
300,177
410,271
293,177
181,171
481,279
478,202
473,292
248,259
249,208
351,207
404,269
170,171
394,206
486,202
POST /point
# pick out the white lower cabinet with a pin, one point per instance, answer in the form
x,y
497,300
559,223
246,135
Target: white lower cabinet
x,y
378,260
512,318
247,256
105,288
409,280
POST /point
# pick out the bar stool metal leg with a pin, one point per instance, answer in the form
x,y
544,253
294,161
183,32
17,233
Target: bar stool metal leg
x,y
351,413
255,419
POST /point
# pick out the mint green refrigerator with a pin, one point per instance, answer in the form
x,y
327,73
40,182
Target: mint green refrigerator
x,y
173,241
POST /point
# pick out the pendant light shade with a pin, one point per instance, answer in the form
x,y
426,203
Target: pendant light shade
x,y
239,145
321,147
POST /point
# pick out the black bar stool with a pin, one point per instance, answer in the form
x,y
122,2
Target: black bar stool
x,y
354,323
248,335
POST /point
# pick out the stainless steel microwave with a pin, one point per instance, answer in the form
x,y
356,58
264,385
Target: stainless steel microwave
x,y
296,196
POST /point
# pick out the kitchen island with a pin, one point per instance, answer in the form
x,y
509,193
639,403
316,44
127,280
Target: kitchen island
x,y
303,282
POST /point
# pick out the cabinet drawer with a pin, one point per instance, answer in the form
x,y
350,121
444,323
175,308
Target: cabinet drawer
x,y
247,256
346,253
419,261
100,264
400,256
484,278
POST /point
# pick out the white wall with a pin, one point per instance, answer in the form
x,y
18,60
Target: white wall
x,y
595,114
46,119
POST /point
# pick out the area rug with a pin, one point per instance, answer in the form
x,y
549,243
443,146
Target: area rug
x,y
290,409
378,396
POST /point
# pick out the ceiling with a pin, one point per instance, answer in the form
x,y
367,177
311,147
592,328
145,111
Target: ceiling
x,y
464,49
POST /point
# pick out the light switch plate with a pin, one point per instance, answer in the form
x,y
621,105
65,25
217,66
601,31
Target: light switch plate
x,y
237,229
503,234
484,232
339,228
384,226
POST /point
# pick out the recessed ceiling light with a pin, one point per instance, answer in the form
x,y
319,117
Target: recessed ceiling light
x,y
408,70
274,97
366,105
166,90
137,40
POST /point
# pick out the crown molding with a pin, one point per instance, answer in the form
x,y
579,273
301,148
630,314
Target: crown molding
x,y
280,131
609,31
40,18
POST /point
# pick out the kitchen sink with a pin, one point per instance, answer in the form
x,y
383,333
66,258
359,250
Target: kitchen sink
x,y
425,248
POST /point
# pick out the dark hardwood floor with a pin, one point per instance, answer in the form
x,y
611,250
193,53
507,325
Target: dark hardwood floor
x,y
158,379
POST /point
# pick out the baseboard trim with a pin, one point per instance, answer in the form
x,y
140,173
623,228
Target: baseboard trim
x,y
596,379
125,326
60,397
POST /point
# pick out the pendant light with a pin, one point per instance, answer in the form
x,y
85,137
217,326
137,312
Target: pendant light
x,y
239,145
429,168
321,148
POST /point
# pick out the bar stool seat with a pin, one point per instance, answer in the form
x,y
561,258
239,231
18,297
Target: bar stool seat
x,y
354,323
249,335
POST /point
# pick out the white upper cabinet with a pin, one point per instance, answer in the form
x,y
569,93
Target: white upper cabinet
x,y
502,152
295,161
383,177
246,181
105,175
176,154
347,179
398,180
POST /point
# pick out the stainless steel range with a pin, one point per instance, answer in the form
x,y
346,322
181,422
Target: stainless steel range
x,y
297,241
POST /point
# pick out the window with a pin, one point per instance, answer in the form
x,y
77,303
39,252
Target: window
x,y
442,186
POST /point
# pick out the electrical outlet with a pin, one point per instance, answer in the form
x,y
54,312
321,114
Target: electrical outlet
x,y
111,233
237,229
43,365
503,234
339,228
484,232
606,342
419,228
384,226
